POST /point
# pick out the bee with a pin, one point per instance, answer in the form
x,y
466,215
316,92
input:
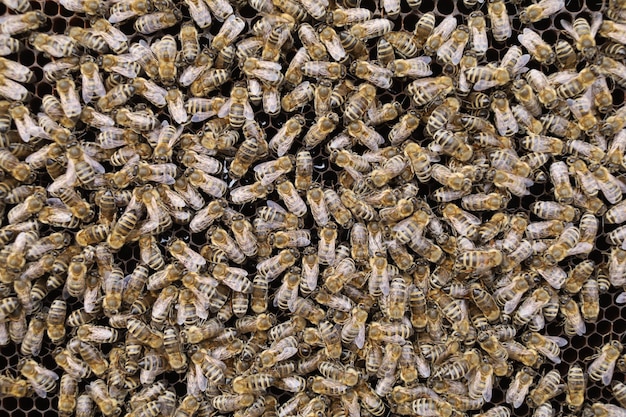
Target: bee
x,y
93,358
618,391
565,55
115,38
20,23
153,22
539,49
426,90
576,85
192,260
518,390
581,108
478,30
199,12
165,52
404,43
176,105
55,321
31,345
549,346
127,65
501,26
122,229
190,47
42,380
541,10
99,393
601,369
92,85
371,28
374,74
453,145
11,90
320,130
451,51
237,107
143,56
352,45
232,27
340,17
548,387
298,97
9,45
576,384
608,184
439,35
116,97
14,387
584,33
69,97
323,69
293,75
332,42
608,29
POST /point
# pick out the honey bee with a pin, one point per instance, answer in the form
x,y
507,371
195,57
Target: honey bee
x,y
584,33
231,28
359,102
42,380
31,345
501,27
332,42
122,229
320,130
165,52
293,75
192,260
116,97
14,387
548,387
298,97
176,105
153,22
144,333
518,390
601,369
540,11
539,49
549,346
92,85
374,74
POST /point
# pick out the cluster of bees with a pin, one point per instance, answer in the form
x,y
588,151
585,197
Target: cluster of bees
x,y
416,281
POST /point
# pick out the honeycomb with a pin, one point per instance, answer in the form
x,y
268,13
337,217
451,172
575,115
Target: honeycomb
x,y
611,323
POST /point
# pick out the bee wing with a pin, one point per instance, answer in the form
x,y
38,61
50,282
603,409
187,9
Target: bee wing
x,y
225,109
563,77
94,164
569,29
596,22
126,69
621,298
268,75
488,388
456,56
39,390
359,340
190,74
178,112
483,85
292,300
550,7
12,90
276,206
558,340
445,28
120,16
247,111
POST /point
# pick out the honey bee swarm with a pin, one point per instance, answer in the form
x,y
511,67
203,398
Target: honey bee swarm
x,y
312,208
